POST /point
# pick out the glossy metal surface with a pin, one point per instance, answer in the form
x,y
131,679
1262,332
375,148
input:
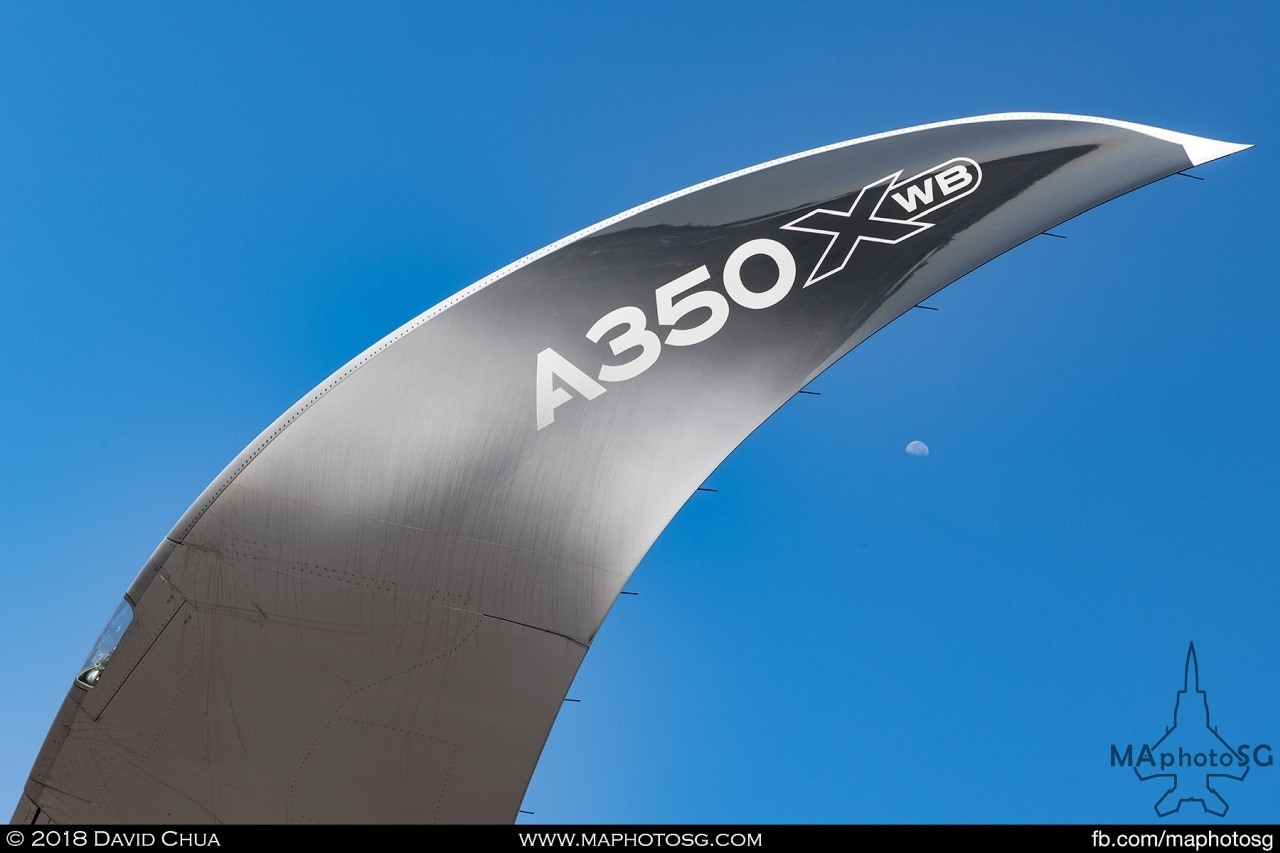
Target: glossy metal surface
x,y
375,612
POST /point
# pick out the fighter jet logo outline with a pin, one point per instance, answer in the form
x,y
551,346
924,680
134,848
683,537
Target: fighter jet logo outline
x,y
1202,788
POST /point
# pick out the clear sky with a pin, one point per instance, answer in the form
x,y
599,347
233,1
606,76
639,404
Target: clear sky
x,y
204,212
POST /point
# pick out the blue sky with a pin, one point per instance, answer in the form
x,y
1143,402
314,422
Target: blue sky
x,y
204,212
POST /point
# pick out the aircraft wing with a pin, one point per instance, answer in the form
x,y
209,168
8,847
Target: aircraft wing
x,y
374,613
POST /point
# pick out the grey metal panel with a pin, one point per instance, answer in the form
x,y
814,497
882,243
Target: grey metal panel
x,y
349,705
375,612
27,811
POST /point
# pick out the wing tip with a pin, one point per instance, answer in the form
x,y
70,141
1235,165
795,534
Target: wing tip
x,y
1201,150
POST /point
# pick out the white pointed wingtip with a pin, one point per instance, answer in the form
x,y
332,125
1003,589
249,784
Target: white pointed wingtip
x,y
1201,150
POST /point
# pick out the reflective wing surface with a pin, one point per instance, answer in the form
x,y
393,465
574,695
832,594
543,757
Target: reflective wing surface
x,y
374,613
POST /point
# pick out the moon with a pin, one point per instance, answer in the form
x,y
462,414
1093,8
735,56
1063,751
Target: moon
x,y
917,448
